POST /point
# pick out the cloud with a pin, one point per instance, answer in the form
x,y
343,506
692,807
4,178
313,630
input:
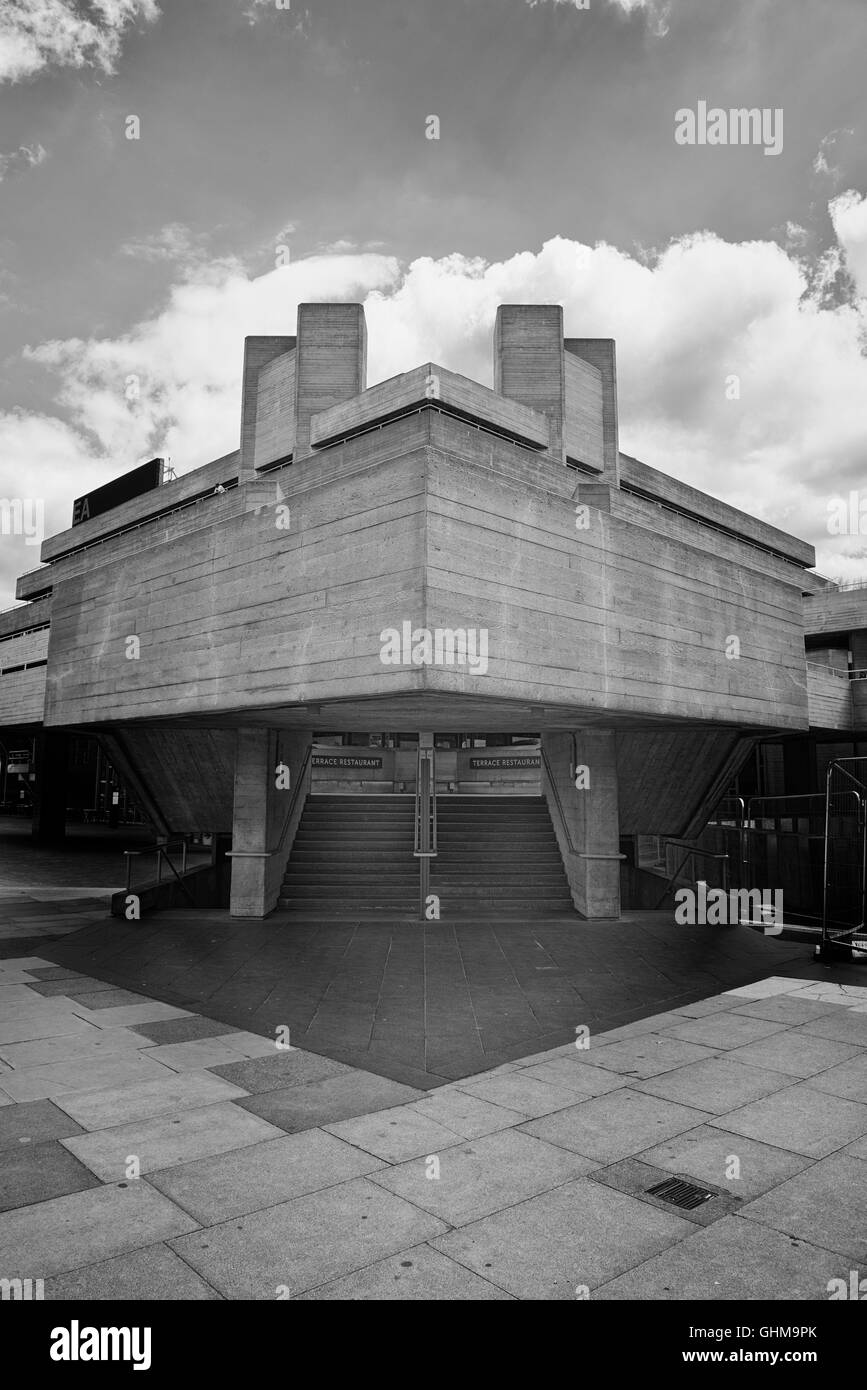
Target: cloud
x,y
174,242
689,320
20,160
849,219
658,12
40,34
822,164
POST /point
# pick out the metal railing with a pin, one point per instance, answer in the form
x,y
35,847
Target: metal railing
x,y
162,849
425,830
692,851
844,890
300,781
552,783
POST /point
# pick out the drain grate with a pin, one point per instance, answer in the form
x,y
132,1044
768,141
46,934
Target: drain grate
x,y
680,1194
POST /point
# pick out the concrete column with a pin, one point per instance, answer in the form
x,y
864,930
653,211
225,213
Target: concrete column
x,y
331,363
600,354
52,761
586,820
529,362
259,816
258,352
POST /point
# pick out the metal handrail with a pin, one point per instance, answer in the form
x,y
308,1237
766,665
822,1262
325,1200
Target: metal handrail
x,y
553,785
161,849
691,850
425,831
300,780
720,809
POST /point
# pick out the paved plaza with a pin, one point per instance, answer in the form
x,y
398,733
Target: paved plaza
x,y
151,1150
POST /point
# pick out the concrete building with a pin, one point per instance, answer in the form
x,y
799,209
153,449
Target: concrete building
x,y
285,645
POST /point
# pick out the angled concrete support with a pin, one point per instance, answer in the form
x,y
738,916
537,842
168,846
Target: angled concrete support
x,y
585,816
261,833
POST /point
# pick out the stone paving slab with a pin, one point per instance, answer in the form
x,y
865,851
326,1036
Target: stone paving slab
x,y
395,1135
323,1102
71,1232
175,1030
801,1119
706,1154
419,1274
34,1172
516,1091
89,1045
849,1027
619,1125
179,1092
722,1031
826,1204
126,1067
154,1272
579,1234
847,1079
197,1055
785,1008
717,1086
70,989
463,1114
128,1015
169,1139
583,1078
734,1260
303,1243
647,1055
262,1175
32,1121
795,1053
279,1070
479,1176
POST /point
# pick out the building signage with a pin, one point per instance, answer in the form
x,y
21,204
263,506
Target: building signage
x,y
19,760
505,762
345,760
119,490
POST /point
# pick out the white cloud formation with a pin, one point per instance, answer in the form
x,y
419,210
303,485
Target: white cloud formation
x,y
20,160
686,320
39,34
658,12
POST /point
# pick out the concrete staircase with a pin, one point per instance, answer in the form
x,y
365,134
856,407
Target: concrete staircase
x,y
353,855
498,857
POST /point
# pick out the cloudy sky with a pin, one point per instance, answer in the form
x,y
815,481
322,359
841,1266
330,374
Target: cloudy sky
x,y
557,178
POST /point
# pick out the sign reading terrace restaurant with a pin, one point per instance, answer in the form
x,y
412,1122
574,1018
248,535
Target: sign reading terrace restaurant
x,y
119,490
505,762
344,760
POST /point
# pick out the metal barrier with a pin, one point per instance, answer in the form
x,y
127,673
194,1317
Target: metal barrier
x,y
425,838
844,890
162,850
